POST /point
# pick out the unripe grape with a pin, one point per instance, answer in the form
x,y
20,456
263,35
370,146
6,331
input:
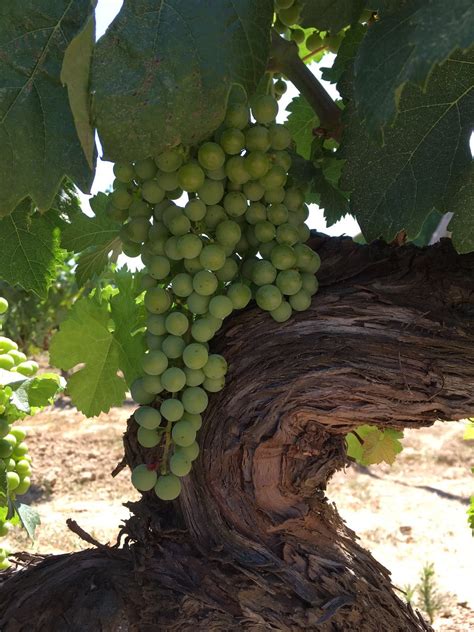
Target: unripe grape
x,y
24,486
157,300
282,313
263,272
195,401
13,481
191,452
172,409
293,199
143,478
179,464
28,368
310,283
307,260
211,156
152,384
154,362
6,344
6,362
253,191
289,282
4,530
283,257
131,249
182,284
3,305
214,215
220,307
237,116
156,324
214,386
177,323
314,41
211,192
158,267
215,367
179,225
274,196
148,417
153,342
170,160
152,192
274,178
19,433
256,164
280,137
173,379
298,35
304,233
148,438
216,174
195,209
280,87
205,283
168,487
121,199
124,172
194,377
232,141
290,16
228,233
257,138
202,330
264,231
173,347
236,171
228,271
191,177
197,303
195,355
256,212
145,169
268,297
277,214
264,108
300,301
235,203
287,234
172,249
212,257
167,181
136,230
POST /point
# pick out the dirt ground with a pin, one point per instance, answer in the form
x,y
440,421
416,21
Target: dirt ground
x,y
409,515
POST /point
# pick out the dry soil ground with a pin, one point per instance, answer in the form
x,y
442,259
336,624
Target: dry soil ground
x,y
408,515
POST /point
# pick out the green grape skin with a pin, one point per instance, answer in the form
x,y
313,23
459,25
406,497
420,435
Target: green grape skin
x,y
235,203
20,450
282,313
283,257
169,160
183,433
173,347
283,4
28,368
274,196
265,250
5,448
232,141
290,16
182,284
194,399
197,304
256,164
211,192
152,384
228,271
10,465
212,257
264,109
136,230
154,362
289,282
177,323
157,300
191,177
293,199
175,194
213,386
298,35
4,530
211,156
216,174
124,172
214,321
310,283
236,170
13,481
172,250
256,212
168,487
277,214
4,428
195,355
306,259
251,237
173,379
193,266
228,233
19,433
172,409
205,283
145,169
121,199
4,564
203,330
268,297
179,464
143,478
152,192
18,356
214,215
116,214
169,213
220,307
194,377
314,41
287,234
274,178
24,486
190,452
23,468
131,249
6,362
195,210
167,181
304,233
280,87
240,295
280,137
156,324
257,138
153,342
263,272
215,367
300,301
253,191
179,225
158,267
282,159
237,116
147,417
6,344
264,231
148,438
196,420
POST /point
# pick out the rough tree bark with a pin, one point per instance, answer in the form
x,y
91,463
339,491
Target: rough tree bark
x,y
254,543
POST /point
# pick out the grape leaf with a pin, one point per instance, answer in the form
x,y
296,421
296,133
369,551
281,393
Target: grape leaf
x,y
162,72
461,203
29,249
395,186
37,392
85,338
93,261
11,378
331,15
301,122
85,231
29,518
346,53
38,137
408,42
75,75
377,446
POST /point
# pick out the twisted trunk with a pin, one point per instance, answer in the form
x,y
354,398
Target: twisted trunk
x,y
253,543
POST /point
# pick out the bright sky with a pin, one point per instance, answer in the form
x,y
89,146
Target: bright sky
x,y
105,12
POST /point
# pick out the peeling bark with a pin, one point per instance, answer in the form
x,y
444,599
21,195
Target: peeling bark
x,y
253,543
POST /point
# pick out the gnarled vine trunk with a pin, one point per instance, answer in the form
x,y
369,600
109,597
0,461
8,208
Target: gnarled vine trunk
x,y
253,543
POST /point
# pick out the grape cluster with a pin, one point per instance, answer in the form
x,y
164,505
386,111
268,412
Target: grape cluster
x,y
240,235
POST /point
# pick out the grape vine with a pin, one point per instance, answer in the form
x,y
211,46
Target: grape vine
x,y
239,235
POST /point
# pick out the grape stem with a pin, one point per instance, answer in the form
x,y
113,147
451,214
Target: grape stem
x,y
164,462
284,58
313,52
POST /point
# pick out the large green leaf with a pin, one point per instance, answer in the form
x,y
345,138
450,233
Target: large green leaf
x,y
404,45
331,15
301,122
93,261
37,133
29,249
85,231
396,186
162,72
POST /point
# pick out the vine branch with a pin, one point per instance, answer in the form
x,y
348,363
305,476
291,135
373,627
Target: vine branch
x,y
284,58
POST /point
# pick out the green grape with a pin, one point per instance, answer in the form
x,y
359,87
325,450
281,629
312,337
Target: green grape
x,y
168,487
274,178
4,428
214,215
172,409
152,384
216,174
268,297
172,248
232,141
242,246
18,356
220,307
193,265
332,42
304,233
23,467
256,212
290,16
11,465
236,171
160,208
235,203
280,87
215,322
139,394
168,181
148,438
194,377
195,401
300,301
195,209
197,304
211,192
306,259
173,379
195,419
282,313
124,172
283,160
264,108
283,257
135,230
277,214
274,196
4,564
215,367
131,249
5,529
195,355
228,233
263,272
253,191
143,478
228,271
24,486
237,116
314,41
121,199
13,480
157,300
19,433
205,283
283,4
280,137
190,452
147,282
6,448
139,208
191,177
179,225
6,361
247,267
293,199
257,138
264,231
158,267
152,192
146,258
154,362
182,284
202,330
214,386
298,35
177,323
287,234
153,342
310,283
212,257
173,347
148,417
183,432
28,368
179,464
170,160
239,294
256,164
289,282
145,169
175,194
20,450
211,156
